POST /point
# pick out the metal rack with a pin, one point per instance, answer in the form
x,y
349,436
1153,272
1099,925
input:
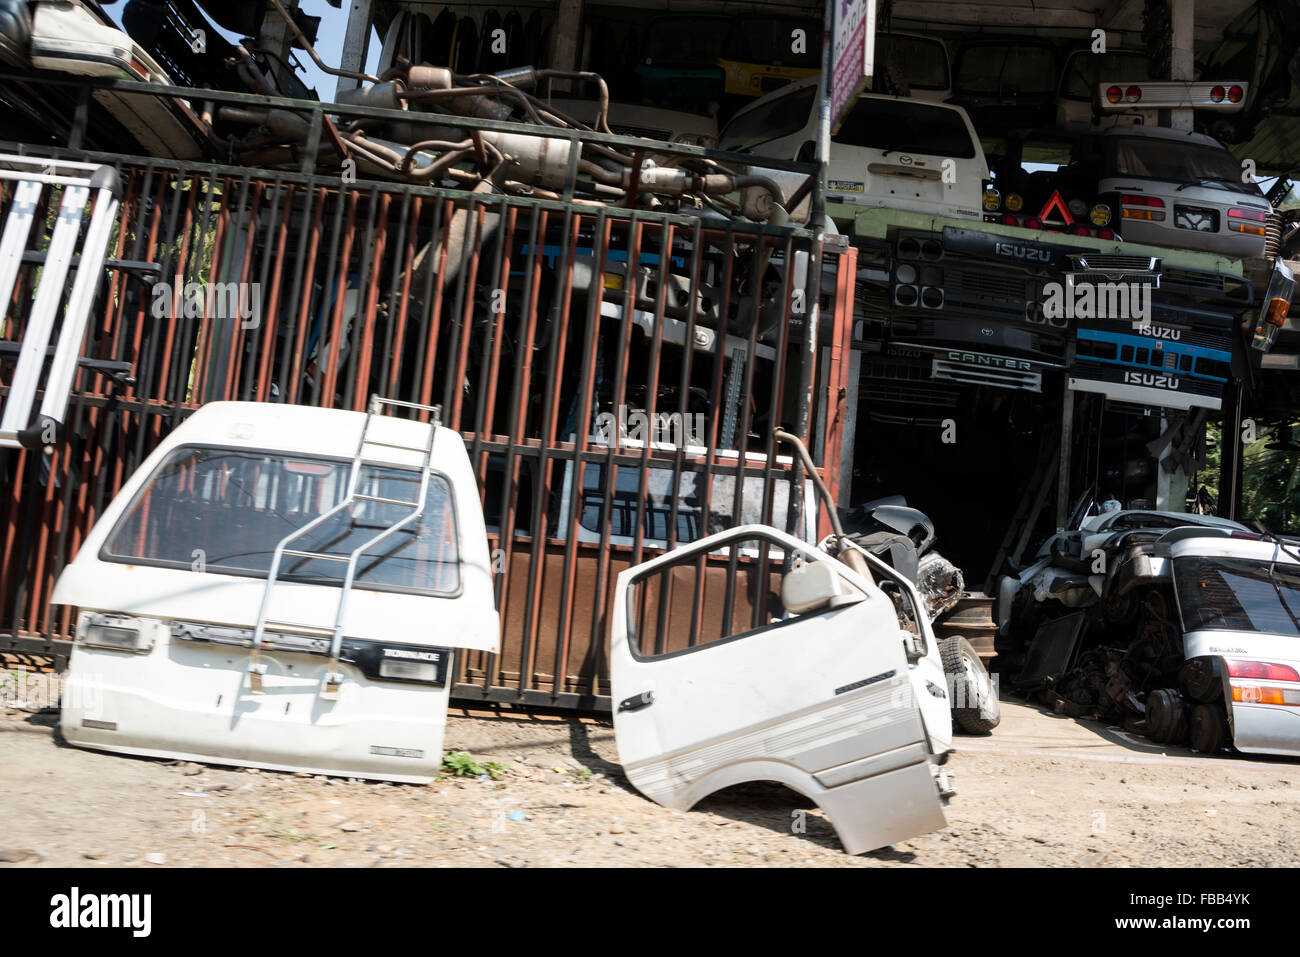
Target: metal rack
x,y
31,177
333,678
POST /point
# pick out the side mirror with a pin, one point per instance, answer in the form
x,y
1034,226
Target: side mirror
x,y
815,586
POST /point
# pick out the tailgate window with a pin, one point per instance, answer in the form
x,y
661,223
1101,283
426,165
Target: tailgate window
x,y
1232,594
903,126
225,510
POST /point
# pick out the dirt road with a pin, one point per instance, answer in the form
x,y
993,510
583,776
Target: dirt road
x,y
1041,790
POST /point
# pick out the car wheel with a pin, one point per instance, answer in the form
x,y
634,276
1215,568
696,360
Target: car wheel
x,y
974,699
1209,730
1166,717
1200,681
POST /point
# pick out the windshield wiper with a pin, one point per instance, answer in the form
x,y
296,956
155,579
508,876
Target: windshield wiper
x,y
1272,577
1281,598
1205,182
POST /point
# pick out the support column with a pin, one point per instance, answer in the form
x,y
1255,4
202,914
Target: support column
x,y
1067,445
1231,452
1181,59
566,36
356,40
275,37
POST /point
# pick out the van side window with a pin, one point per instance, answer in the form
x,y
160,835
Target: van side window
x,y
782,117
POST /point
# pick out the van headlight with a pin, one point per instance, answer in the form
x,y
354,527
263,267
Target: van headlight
x,y
117,633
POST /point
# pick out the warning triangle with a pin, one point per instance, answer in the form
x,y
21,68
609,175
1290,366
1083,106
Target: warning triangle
x,y
1055,201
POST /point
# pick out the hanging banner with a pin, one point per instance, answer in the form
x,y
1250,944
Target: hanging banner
x,y
853,50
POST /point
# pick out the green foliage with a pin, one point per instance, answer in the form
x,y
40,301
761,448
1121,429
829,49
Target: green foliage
x,y
1269,490
461,765
275,827
1209,475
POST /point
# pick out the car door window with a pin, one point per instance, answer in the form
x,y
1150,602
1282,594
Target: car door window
x,y
706,599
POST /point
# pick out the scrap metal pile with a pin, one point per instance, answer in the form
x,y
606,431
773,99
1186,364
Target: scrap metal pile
x,y
1122,619
416,123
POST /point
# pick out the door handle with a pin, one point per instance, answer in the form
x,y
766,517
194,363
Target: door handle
x,y
637,702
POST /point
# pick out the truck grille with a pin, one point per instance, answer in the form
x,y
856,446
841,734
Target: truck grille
x,y
1210,281
1020,379
1115,262
986,286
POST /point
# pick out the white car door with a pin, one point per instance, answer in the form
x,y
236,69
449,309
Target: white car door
x,y
799,677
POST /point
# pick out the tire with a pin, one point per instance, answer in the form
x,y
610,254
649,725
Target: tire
x,y
1166,717
1209,730
1200,681
975,707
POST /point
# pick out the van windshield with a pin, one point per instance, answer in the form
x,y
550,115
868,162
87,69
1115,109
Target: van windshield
x,y
225,510
995,69
1236,594
924,61
760,40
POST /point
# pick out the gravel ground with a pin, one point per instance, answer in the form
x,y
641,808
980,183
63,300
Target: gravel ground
x,y
1040,791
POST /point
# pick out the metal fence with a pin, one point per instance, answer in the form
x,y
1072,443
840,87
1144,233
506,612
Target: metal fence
x,y
616,374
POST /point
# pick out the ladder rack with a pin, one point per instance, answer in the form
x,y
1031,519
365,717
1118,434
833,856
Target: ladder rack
x,y
333,678
80,182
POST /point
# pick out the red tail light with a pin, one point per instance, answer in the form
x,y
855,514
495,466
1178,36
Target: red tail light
x,y
1080,231
1251,214
1009,220
1234,94
1217,94
1033,222
1133,94
1106,233
1136,199
1114,94
1260,670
